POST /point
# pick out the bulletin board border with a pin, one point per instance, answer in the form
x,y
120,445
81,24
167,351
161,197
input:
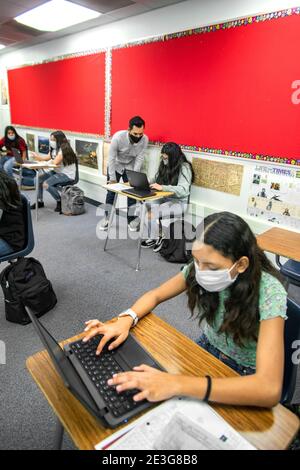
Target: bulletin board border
x,y
66,131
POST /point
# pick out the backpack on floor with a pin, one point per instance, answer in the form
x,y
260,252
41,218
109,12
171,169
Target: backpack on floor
x,y
72,201
24,284
177,247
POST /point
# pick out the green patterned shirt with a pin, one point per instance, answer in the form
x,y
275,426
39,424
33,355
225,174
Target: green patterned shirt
x,y
272,303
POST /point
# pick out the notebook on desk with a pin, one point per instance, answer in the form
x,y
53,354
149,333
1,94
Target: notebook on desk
x,y
86,374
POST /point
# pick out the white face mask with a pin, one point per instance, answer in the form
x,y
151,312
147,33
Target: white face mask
x,y
165,161
11,137
214,281
53,144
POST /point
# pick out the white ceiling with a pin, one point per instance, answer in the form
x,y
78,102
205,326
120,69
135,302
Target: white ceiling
x,y
15,36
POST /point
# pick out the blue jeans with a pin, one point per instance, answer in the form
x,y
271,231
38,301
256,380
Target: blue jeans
x,y
7,164
240,369
5,248
52,179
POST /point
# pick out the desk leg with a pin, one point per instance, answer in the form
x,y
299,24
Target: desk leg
x,y
143,215
36,193
111,218
59,434
20,178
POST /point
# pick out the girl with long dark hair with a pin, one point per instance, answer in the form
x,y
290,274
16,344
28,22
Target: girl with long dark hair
x,y
236,292
11,140
12,224
175,174
61,154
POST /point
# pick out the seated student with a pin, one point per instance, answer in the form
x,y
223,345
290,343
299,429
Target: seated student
x,y
233,286
175,174
62,154
12,224
11,140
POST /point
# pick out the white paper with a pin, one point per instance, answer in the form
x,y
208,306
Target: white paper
x,y
117,186
181,433
143,433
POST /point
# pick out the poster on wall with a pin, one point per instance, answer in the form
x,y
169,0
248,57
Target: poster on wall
x,y
3,92
30,142
224,177
87,153
275,195
43,145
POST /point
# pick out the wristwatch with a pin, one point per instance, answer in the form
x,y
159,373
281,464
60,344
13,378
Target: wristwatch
x,y
132,314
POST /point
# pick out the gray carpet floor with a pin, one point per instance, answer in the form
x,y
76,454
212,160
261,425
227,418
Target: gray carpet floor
x,y
89,283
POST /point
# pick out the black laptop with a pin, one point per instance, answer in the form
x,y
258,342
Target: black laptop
x,y
18,157
140,183
86,374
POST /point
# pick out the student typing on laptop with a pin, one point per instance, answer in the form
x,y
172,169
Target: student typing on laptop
x,y
175,174
127,151
233,286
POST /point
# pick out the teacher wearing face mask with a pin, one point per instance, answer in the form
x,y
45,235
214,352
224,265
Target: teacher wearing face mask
x,y
127,152
11,140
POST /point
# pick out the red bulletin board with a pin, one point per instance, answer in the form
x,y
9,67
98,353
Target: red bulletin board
x,y
229,89
67,94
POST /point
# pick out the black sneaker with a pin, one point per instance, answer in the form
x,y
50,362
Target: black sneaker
x,y
159,244
148,243
58,207
40,205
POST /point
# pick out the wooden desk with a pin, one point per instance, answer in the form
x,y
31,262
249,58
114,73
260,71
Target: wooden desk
x,y
280,242
36,167
142,201
265,429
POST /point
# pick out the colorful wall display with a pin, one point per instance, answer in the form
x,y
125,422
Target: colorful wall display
x,y
275,195
231,89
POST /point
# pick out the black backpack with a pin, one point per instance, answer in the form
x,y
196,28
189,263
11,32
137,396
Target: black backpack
x,y
24,284
176,248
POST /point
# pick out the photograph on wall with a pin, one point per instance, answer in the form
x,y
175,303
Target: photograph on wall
x,y
87,153
276,198
43,145
30,142
3,92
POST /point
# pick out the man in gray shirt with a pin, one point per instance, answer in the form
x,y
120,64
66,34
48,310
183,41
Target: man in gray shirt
x,y
127,151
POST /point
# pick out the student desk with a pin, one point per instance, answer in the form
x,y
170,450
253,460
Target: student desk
x,y
264,428
36,167
280,242
143,201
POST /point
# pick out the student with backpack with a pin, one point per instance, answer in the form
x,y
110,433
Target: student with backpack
x,y
233,287
61,154
12,224
175,174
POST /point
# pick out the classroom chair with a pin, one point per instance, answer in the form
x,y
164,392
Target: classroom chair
x,y
172,216
59,186
29,240
291,335
290,270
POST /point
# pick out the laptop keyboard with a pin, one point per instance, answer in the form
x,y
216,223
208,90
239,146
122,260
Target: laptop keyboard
x,y
100,369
